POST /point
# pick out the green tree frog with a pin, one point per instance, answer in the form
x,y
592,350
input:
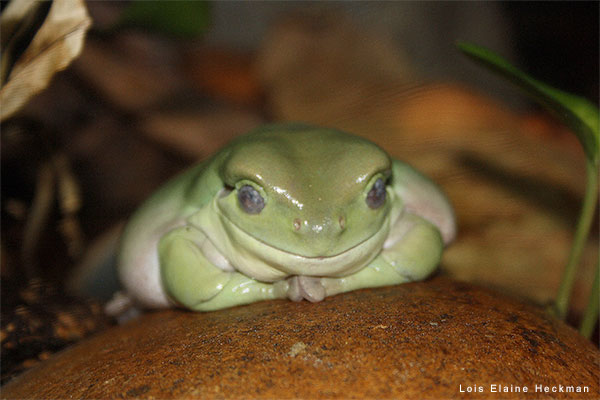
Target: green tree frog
x,y
288,211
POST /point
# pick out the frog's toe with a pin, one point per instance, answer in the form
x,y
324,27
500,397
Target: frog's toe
x,y
312,289
306,287
294,292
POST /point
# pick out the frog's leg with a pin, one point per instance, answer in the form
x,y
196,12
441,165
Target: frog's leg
x,y
411,253
193,281
414,247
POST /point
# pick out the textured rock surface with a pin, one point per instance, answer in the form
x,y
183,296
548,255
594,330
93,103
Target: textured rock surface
x,y
419,340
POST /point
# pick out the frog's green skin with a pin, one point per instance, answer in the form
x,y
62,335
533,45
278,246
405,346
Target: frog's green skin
x,y
193,245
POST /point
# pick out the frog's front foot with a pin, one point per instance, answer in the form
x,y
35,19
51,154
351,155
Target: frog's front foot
x,y
306,287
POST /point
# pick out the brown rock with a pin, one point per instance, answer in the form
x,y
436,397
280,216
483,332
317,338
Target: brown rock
x,y
411,341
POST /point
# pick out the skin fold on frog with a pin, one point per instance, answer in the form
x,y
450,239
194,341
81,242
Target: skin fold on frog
x,y
287,211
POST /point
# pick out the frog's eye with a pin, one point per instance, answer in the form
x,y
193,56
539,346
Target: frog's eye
x,y
250,200
376,196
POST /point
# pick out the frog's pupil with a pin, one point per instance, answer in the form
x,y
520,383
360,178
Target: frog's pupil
x,y
376,196
250,200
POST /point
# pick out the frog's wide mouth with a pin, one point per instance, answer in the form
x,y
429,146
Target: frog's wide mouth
x,y
263,261
249,236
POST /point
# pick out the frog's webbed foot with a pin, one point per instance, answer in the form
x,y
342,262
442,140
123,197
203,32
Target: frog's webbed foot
x,y
306,287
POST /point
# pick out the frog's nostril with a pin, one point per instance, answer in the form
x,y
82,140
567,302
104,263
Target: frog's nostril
x,y
297,224
320,227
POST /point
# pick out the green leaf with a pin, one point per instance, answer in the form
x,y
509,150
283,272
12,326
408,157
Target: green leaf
x,y
180,18
576,112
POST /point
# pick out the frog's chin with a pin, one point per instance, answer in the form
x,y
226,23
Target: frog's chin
x,y
264,262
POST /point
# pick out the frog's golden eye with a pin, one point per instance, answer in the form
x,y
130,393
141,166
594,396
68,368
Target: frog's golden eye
x,y
376,196
250,200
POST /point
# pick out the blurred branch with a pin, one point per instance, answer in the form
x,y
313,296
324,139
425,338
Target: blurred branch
x,y
590,316
55,178
37,218
583,118
582,231
69,201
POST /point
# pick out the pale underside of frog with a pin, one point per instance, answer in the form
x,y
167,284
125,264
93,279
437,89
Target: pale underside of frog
x,y
287,211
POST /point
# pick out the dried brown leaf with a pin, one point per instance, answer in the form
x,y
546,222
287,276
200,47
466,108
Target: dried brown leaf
x,y
20,22
58,41
13,16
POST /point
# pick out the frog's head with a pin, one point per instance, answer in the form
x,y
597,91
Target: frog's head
x,y
315,193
